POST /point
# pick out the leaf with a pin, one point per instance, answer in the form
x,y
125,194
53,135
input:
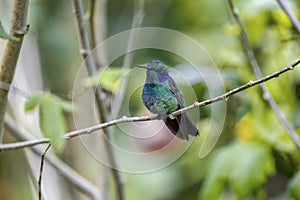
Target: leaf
x,y
32,102
294,186
52,121
4,35
216,177
109,79
251,169
244,166
65,105
255,127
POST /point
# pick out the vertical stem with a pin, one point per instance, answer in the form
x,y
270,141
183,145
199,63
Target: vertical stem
x,y
290,14
41,171
266,94
98,23
91,67
137,20
11,54
89,17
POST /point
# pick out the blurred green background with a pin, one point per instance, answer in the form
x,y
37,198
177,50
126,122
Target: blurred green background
x,y
254,157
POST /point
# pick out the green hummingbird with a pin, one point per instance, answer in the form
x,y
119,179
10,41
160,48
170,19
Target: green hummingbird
x,y
162,96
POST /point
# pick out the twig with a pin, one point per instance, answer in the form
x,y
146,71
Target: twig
x,y
41,171
11,53
124,119
137,20
90,18
67,172
98,24
91,67
290,14
85,46
18,145
266,94
136,23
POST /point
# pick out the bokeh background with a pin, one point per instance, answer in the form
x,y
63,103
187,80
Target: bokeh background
x,y
254,157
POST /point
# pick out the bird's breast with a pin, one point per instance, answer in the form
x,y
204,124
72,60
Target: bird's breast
x,y
159,99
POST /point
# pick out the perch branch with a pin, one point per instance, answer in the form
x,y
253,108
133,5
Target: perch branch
x,y
91,67
266,94
125,119
11,53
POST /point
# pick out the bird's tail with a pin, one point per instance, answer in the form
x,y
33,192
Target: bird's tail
x,y
182,126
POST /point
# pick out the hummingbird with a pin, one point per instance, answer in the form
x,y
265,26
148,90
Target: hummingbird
x,y
162,96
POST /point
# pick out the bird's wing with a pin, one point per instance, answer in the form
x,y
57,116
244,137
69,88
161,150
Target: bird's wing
x,y
181,126
177,93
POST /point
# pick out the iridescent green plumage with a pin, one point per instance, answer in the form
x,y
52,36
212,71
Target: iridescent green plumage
x,y
161,96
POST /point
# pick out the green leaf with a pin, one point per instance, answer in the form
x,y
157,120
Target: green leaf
x,y
52,121
109,79
294,186
216,177
251,169
32,102
244,166
4,35
65,105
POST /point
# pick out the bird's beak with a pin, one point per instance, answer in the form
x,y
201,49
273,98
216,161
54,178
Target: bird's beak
x,y
141,66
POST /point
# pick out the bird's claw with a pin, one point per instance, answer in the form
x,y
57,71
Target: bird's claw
x,y
163,117
171,116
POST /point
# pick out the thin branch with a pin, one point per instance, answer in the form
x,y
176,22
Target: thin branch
x,y
290,14
90,18
136,23
137,20
41,171
266,94
98,23
67,172
236,90
11,53
85,46
125,119
18,145
91,67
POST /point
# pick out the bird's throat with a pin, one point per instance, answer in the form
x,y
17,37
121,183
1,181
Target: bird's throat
x,y
162,77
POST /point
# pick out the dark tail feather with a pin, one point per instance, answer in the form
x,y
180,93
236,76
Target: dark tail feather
x,y
182,126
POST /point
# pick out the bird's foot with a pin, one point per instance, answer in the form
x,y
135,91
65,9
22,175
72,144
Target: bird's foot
x,y
171,116
163,116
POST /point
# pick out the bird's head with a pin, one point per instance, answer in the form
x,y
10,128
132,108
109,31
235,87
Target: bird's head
x,y
156,66
157,72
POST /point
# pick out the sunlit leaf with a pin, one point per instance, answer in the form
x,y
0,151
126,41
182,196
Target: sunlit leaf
x,y
245,129
109,79
232,29
260,127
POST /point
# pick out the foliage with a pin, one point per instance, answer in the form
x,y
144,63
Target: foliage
x,y
108,79
294,186
4,35
253,147
244,166
52,121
